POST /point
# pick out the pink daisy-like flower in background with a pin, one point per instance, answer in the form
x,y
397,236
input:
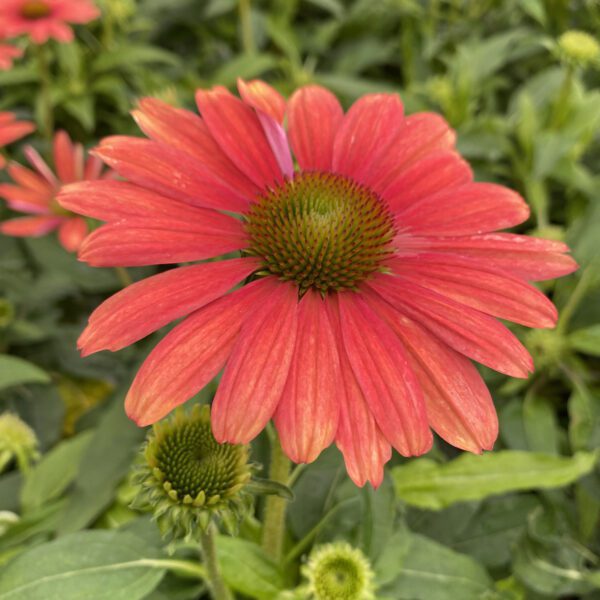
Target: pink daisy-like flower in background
x,y
8,54
12,130
372,271
36,190
45,19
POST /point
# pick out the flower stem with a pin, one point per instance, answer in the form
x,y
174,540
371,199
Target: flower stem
x,y
561,106
46,108
124,276
246,27
274,524
218,589
576,297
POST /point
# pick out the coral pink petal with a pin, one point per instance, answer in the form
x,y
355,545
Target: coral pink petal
x,y
71,233
30,180
468,331
14,130
459,405
308,412
262,97
388,383
237,129
421,134
190,355
30,226
470,209
65,158
187,132
27,200
314,117
93,168
484,288
258,368
152,303
40,165
358,437
365,134
437,172
165,241
169,171
529,258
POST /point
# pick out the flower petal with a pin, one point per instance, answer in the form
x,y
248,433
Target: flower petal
x,y
148,305
68,159
468,331
258,368
25,200
14,130
365,134
308,412
190,355
30,226
72,232
237,130
469,209
28,179
385,377
314,116
262,97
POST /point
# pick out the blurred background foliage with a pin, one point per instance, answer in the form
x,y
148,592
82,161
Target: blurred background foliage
x,y
520,523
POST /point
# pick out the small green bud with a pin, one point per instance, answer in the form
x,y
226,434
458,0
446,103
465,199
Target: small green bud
x,y
187,478
339,572
17,442
578,48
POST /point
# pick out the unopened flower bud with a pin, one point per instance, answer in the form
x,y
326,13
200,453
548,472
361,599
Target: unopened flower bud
x,y
579,48
17,442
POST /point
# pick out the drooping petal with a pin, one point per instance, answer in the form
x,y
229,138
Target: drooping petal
x,y
484,288
468,331
365,134
30,226
358,437
190,355
187,132
314,116
529,258
308,412
470,209
258,368
388,383
145,306
262,97
167,241
237,130
169,171
435,173
72,232
459,405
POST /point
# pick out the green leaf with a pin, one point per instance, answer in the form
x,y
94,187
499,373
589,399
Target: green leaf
x,y
541,428
586,340
430,571
427,484
55,472
247,569
16,371
103,565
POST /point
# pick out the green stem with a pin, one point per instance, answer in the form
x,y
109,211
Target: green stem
x,y
124,276
561,106
576,297
246,27
46,108
275,507
218,589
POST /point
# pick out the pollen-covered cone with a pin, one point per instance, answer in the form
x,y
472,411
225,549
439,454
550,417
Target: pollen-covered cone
x,y
373,272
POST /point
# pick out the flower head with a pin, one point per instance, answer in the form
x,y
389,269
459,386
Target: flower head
x,y
34,192
45,19
372,265
7,54
579,48
188,477
17,442
339,572
12,130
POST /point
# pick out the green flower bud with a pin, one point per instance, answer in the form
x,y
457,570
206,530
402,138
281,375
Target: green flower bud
x,y
578,48
339,572
188,478
17,442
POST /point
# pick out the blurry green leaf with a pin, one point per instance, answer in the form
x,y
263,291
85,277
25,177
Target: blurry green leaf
x,y
133,55
92,564
55,472
16,371
584,418
82,109
586,340
247,569
244,66
428,484
335,7
539,420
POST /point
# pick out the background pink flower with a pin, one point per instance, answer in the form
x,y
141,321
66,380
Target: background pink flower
x,y
377,273
44,19
34,192
7,55
12,130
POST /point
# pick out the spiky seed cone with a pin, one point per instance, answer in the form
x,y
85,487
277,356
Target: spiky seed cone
x,y
339,572
17,442
579,48
188,478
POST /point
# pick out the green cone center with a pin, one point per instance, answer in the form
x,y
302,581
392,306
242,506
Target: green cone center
x,y
35,9
321,230
192,461
339,579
